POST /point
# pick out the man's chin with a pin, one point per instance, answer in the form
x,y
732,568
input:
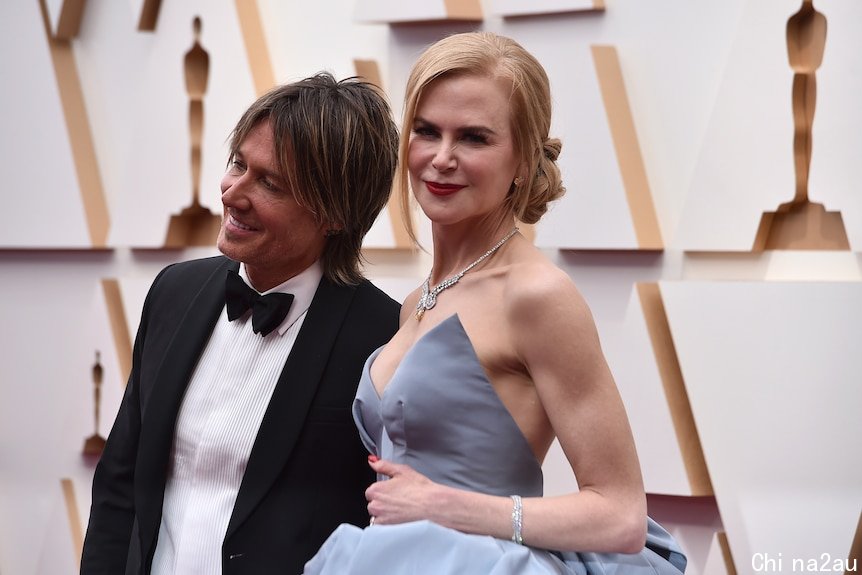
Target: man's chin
x,y
222,243
230,249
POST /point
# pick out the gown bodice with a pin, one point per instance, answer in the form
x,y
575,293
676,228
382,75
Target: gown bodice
x,y
440,415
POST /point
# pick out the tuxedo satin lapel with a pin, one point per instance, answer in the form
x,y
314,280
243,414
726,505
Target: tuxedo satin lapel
x,y
297,384
158,421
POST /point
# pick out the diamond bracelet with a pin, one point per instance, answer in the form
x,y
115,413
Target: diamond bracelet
x,y
517,518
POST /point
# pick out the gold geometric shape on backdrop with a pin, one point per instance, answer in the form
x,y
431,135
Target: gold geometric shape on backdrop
x,y
463,9
370,71
69,20
149,15
725,552
80,138
119,326
95,444
628,153
674,387
251,26
195,225
74,517
801,224
255,45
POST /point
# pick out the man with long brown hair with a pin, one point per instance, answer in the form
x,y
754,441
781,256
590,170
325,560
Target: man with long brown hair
x,y
234,450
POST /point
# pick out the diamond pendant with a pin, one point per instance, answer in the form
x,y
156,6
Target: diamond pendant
x,y
429,296
426,302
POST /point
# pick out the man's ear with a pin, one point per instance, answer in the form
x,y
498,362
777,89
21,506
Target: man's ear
x,y
332,229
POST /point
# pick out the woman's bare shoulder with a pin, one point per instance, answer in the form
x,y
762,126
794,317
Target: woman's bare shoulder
x,y
545,308
538,284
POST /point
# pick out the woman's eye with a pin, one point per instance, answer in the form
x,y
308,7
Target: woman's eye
x,y
424,131
475,138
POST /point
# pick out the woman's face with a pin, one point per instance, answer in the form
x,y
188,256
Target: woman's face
x,y
461,154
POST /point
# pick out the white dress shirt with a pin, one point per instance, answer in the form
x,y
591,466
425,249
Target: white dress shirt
x,y
216,427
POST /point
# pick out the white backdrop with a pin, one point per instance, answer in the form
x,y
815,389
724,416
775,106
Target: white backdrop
x,y
708,86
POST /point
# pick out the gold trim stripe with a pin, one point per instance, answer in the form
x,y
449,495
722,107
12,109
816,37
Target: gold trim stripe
x,y
149,15
80,138
626,145
119,326
74,516
463,9
69,22
370,70
725,553
674,388
256,49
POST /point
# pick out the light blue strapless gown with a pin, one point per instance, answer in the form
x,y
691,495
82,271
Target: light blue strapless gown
x,y
441,416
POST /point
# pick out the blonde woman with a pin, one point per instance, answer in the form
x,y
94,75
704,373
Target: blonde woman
x,y
497,354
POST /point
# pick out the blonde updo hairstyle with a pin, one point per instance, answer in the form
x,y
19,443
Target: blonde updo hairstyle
x,y
497,57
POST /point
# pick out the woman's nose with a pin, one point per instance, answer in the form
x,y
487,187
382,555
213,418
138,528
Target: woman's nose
x,y
444,157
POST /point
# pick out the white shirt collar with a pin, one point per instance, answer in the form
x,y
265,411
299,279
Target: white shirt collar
x,y
303,286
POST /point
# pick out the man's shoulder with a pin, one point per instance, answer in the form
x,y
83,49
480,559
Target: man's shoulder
x,y
183,280
374,299
371,317
199,265
369,292
365,304
193,271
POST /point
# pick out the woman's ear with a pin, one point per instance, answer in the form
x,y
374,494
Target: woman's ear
x,y
521,173
520,176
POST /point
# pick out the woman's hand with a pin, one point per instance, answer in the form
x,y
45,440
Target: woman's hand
x,y
406,496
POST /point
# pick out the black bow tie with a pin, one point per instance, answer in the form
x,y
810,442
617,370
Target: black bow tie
x,y
268,311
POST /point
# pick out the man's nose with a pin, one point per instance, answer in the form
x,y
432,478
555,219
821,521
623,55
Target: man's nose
x,y
234,190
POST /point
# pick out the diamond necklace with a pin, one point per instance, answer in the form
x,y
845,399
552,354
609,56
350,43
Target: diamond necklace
x,y
429,295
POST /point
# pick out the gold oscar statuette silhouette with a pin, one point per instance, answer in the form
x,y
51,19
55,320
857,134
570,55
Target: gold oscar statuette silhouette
x,y
801,224
195,225
94,444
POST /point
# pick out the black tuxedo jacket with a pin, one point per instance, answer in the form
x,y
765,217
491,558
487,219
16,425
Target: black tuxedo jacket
x,y
307,471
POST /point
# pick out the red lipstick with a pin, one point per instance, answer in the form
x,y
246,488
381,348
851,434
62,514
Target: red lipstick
x,y
439,189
